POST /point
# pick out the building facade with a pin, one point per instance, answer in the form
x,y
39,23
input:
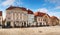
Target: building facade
x,y
30,18
16,17
1,18
21,17
42,19
46,19
54,21
59,21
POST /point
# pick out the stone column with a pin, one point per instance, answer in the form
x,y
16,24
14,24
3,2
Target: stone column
x,y
12,24
26,24
42,23
6,23
38,23
1,20
45,23
20,24
23,23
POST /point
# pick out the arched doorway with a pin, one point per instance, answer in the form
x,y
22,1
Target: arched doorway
x,y
8,24
24,24
16,24
40,24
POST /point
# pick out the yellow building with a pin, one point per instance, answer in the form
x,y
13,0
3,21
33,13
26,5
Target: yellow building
x,y
54,20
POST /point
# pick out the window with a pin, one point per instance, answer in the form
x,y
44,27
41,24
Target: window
x,y
44,20
8,23
40,24
24,14
0,23
0,18
38,19
9,18
9,12
20,17
41,19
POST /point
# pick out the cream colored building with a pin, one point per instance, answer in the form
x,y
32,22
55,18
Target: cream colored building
x,y
54,20
42,19
46,19
16,16
21,17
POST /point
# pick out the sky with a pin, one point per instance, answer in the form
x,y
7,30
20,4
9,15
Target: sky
x,y
51,7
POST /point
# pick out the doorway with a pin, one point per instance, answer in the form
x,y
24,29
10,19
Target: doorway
x,y
8,24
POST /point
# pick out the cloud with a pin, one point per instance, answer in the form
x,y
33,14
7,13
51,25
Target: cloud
x,y
8,2
44,4
57,7
18,3
53,1
57,14
43,10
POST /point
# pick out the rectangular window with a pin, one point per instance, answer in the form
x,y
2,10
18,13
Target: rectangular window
x,y
9,18
38,19
0,18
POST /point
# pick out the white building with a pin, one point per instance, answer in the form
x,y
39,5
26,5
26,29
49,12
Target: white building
x,y
30,17
16,16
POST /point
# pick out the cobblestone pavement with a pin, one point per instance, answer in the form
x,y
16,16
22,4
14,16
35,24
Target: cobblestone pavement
x,y
53,30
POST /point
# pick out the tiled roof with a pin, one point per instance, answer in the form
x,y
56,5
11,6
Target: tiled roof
x,y
39,14
54,17
12,7
0,13
48,15
29,11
